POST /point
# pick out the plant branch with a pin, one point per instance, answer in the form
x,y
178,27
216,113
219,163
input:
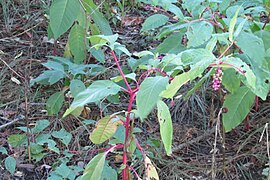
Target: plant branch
x,y
11,122
120,70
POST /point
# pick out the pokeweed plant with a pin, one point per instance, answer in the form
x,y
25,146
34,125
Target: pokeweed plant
x,y
226,40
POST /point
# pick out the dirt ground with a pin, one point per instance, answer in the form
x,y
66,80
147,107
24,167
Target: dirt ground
x,y
200,150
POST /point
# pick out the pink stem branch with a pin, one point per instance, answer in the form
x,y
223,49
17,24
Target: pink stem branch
x,y
136,174
120,70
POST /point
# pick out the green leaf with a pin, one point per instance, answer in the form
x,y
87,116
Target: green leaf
x,y
46,139
238,105
62,15
94,168
55,102
148,95
239,28
194,7
64,171
224,5
102,40
176,10
249,77
166,127
172,44
154,21
254,54
76,86
198,33
98,17
10,164
105,129
77,43
230,80
63,135
199,60
40,126
17,139
98,54
95,92
3,150
108,173
232,24
54,65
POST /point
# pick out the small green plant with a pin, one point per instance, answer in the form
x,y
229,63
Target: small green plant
x,y
224,40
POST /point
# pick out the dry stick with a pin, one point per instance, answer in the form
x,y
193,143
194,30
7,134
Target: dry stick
x,y
11,122
197,139
267,146
214,150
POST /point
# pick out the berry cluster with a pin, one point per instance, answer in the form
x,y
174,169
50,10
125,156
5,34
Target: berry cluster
x,y
217,78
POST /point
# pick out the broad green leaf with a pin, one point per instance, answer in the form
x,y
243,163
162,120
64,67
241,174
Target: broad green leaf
x,y
102,40
63,135
154,21
197,57
62,15
119,49
148,95
54,65
176,84
224,5
265,36
108,173
176,10
40,126
172,44
17,139
194,7
239,28
55,102
98,54
238,105
77,43
232,24
105,129
98,17
199,60
10,164
94,168
36,149
166,127
131,76
64,171
210,46
198,33
238,64
46,139
254,54
165,30
76,86
95,92
230,80
3,150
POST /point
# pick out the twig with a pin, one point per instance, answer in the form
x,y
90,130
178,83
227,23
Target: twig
x,y
204,136
11,122
214,150
12,69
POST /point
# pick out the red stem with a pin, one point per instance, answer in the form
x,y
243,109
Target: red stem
x,y
132,95
256,103
121,72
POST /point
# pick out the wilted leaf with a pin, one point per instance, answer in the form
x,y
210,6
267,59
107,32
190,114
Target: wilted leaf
x,y
105,129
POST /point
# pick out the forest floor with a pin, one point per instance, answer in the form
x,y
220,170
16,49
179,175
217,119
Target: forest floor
x,y
199,150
